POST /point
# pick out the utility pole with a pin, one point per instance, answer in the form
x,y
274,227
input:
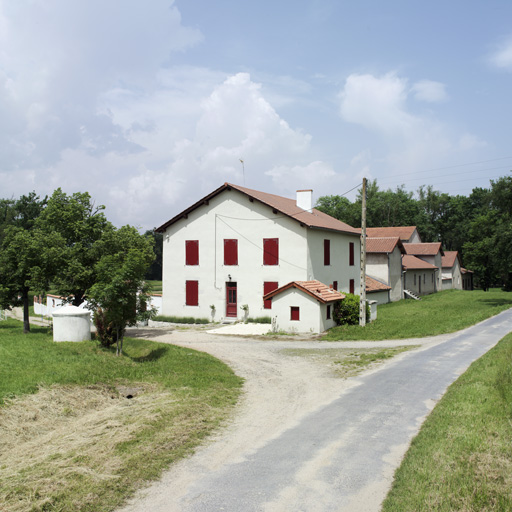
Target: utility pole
x,y
362,290
243,169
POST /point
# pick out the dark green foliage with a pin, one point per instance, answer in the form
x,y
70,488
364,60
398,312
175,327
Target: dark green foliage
x,y
259,320
181,319
155,270
105,332
346,311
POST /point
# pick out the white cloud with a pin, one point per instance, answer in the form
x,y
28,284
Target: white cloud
x,y
502,57
429,91
376,103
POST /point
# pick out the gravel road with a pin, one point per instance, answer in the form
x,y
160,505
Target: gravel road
x,y
304,440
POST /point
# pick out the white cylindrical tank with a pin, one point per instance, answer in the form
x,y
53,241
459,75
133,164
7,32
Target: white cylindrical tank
x,y
71,324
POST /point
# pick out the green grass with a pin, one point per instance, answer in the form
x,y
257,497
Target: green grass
x,y
462,457
181,319
439,313
156,286
184,396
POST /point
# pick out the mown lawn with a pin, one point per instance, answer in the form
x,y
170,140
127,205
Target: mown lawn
x,y
462,457
439,313
70,439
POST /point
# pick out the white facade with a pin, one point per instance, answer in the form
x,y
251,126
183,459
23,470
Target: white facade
x,y
387,268
232,215
312,313
421,281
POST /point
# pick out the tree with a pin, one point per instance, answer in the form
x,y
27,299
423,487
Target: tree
x,y
155,270
27,259
120,289
82,226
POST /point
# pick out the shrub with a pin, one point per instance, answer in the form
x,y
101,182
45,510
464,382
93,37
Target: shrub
x,y
104,330
181,319
346,311
259,320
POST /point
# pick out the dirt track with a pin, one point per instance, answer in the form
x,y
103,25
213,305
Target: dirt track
x,y
279,389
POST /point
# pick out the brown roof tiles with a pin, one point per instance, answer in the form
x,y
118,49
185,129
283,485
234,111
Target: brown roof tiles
x,y
410,262
384,245
426,249
316,289
373,285
404,232
283,205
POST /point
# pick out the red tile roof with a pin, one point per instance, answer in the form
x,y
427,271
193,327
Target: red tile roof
x,y
384,245
427,249
466,271
372,285
410,262
448,260
316,289
404,232
283,205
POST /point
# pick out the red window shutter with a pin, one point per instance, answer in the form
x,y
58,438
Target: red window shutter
x,y
230,252
327,252
351,253
271,251
352,286
335,285
269,286
192,293
295,313
192,252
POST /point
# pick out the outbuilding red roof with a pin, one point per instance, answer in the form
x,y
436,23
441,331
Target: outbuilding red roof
x,y
283,205
373,285
410,262
448,260
403,232
384,245
426,249
316,289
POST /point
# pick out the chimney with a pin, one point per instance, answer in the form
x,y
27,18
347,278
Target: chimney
x,y
305,199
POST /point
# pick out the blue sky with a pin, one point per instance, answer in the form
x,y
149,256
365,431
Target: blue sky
x,y
148,106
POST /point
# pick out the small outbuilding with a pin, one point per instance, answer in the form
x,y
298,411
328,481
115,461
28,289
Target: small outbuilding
x,y
304,306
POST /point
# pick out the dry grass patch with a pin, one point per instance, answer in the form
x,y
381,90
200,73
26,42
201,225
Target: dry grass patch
x,y
65,440
348,362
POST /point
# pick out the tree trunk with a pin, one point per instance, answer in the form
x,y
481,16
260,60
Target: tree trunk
x,y
26,313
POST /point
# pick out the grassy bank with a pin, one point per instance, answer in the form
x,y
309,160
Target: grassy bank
x,y
462,457
70,439
439,313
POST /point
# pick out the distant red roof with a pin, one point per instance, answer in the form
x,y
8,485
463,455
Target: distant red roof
x,y
384,245
466,271
403,232
283,205
410,262
316,289
427,249
448,260
372,285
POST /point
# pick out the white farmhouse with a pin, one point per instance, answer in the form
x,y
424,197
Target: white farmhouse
x,y
225,252
419,275
432,253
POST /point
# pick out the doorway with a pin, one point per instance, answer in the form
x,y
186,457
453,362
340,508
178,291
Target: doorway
x,y
231,300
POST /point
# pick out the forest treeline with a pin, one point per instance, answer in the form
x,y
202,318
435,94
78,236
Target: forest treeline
x,y
479,226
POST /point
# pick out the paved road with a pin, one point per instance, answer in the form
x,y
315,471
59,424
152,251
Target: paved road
x,y
343,456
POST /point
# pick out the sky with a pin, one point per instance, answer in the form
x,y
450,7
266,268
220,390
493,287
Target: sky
x,y
149,106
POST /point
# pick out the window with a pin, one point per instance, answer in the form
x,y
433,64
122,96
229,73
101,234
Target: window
x,y
230,252
352,286
192,293
191,252
351,254
335,285
269,286
271,251
328,312
295,313
327,252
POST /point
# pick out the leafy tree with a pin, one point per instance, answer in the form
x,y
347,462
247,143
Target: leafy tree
x,y
120,289
155,270
82,225
26,262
